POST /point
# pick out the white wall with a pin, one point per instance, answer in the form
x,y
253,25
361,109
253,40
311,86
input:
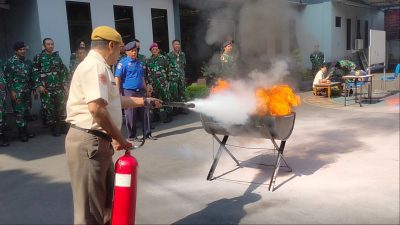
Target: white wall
x,y
143,23
314,29
374,17
21,24
54,24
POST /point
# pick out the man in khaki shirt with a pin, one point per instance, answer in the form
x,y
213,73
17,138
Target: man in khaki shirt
x,y
94,111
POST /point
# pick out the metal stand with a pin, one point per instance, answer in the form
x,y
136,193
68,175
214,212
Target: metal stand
x,y
277,165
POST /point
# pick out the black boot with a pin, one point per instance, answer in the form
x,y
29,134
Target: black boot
x,y
23,136
4,142
54,130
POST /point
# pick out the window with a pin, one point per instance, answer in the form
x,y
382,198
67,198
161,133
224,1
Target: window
x,y
338,21
160,28
358,36
79,23
366,34
123,17
348,34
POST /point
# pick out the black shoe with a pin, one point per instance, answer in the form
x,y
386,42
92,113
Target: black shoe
x,y
151,137
30,135
54,130
135,139
23,135
4,140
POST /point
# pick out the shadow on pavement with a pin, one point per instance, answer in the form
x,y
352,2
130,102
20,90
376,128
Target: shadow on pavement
x,y
319,150
176,132
223,211
28,198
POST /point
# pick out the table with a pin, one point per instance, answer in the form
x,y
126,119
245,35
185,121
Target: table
x,y
327,86
366,78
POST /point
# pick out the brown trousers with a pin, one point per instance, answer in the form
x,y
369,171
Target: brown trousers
x,y
92,176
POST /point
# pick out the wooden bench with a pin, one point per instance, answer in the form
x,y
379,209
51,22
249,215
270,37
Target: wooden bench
x,y
327,86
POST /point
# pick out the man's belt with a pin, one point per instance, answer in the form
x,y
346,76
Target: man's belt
x,y
94,132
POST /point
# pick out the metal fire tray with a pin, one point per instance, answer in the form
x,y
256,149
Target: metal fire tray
x,y
273,128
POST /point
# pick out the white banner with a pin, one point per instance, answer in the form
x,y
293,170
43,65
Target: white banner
x,y
377,47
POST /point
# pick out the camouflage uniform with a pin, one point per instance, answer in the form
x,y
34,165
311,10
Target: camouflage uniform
x,y
347,65
317,59
50,72
228,66
156,75
142,59
176,76
3,91
18,74
73,63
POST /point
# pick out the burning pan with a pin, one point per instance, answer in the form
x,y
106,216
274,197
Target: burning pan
x,y
269,127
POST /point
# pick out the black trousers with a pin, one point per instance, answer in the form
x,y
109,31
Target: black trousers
x,y
132,115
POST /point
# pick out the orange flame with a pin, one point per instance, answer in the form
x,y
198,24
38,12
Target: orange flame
x,y
221,85
276,101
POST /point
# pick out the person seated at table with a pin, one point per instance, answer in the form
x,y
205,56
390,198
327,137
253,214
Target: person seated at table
x,y
320,77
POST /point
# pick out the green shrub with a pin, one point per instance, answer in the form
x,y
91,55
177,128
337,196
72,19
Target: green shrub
x,y
196,91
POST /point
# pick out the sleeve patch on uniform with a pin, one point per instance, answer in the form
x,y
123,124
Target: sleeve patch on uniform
x,y
103,79
119,66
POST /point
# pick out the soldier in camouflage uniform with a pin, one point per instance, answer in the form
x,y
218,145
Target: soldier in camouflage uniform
x,y
177,63
317,58
156,77
79,57
228,62
18,74
3,137
51,76
341,68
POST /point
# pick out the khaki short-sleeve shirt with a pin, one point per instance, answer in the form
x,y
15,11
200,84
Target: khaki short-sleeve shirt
x,y
92,80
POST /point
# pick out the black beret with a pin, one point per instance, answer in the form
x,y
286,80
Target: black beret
x,y
130,46
18,45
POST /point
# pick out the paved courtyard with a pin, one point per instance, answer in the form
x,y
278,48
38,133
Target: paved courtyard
x,y
345,171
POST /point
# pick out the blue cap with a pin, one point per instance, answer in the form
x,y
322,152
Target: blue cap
x,y
130,46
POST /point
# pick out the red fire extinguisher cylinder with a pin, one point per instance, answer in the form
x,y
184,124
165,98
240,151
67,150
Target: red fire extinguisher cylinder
x,y
125,187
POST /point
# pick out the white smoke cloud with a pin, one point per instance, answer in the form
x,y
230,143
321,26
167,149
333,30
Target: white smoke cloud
x,y
230,107
236,105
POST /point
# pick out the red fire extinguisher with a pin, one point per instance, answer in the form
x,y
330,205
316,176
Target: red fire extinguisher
x,y
124,202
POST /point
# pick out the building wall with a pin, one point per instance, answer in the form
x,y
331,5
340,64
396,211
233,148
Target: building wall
x,y
143,23
20,23
374,17
53,23
53,20
313,28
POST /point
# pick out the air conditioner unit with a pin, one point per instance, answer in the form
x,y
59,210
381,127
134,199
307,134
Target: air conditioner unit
x,y
359,44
